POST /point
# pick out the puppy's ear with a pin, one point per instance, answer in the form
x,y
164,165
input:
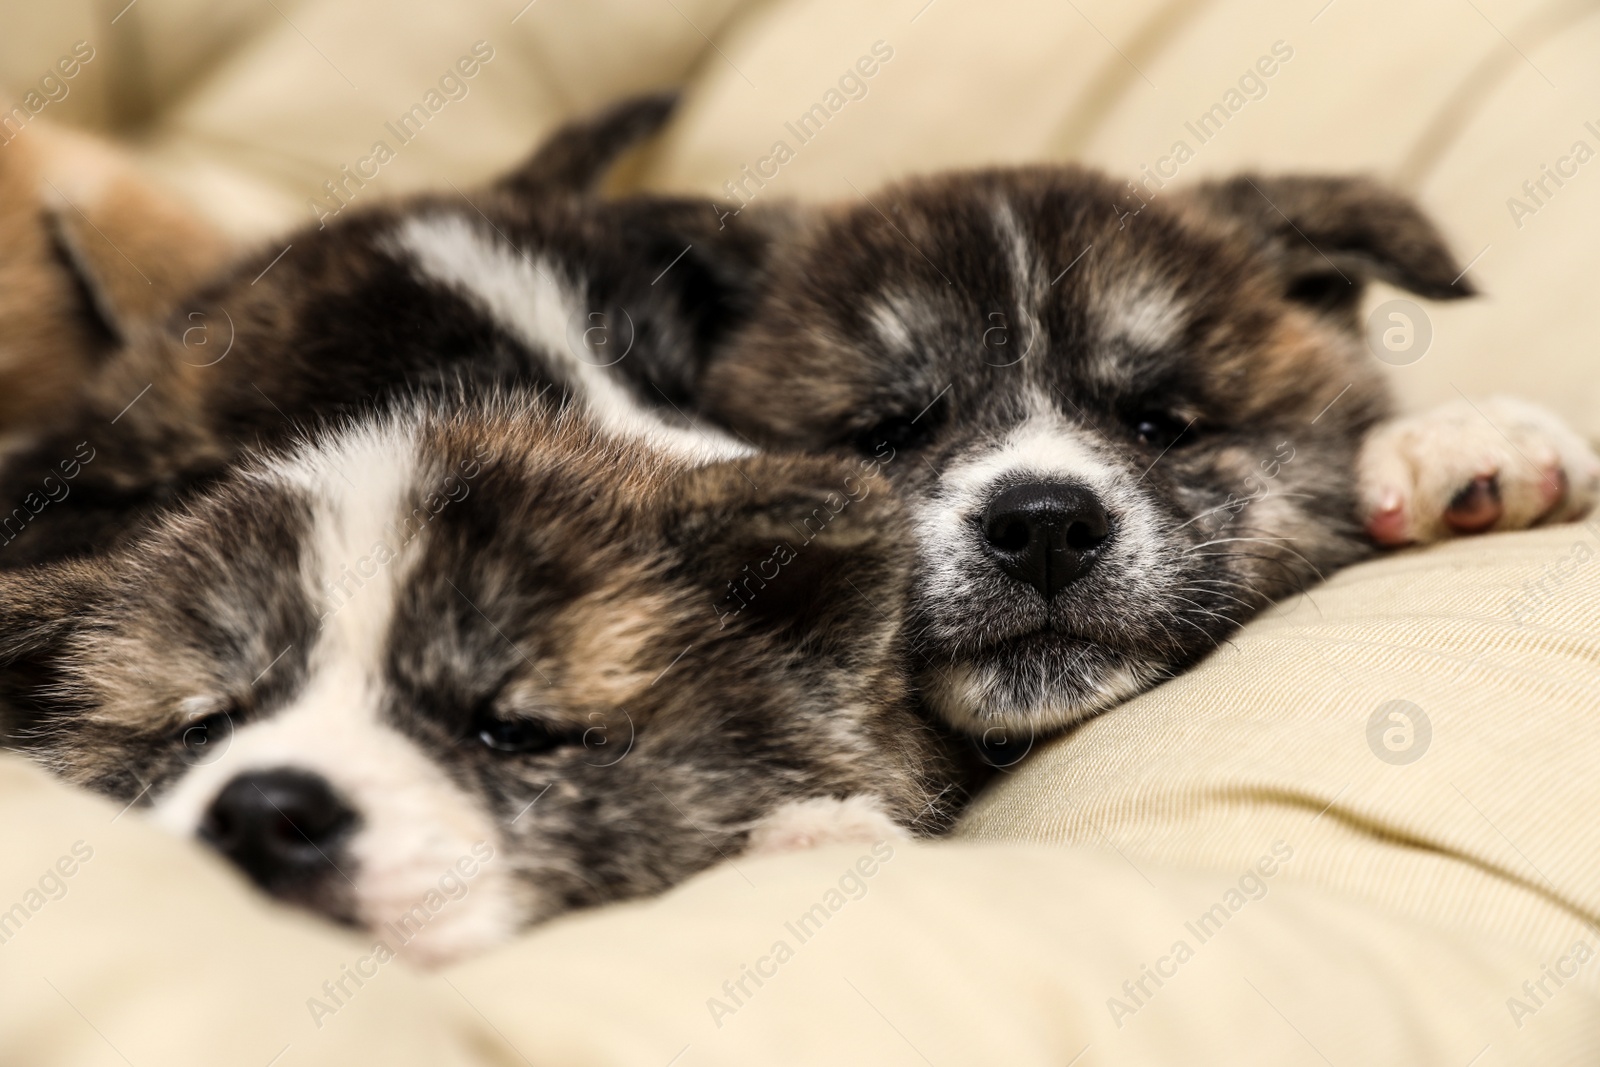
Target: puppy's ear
x,y
94,301
130,251
806,546
1329,236
41,609
687,276
578,155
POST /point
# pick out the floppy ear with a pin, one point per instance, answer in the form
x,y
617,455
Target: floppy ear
x,y
95,289
128,250
1329,236
814,548
40,609
88,247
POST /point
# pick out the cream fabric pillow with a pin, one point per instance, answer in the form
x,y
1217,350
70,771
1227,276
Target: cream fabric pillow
x,y
1426,909
139,948
1421,729
122,944
959,953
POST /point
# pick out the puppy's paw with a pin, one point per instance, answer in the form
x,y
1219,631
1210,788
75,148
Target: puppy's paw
x,y
1501,464
802,824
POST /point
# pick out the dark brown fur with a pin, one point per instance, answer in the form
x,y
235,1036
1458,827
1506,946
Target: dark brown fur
x,y
574,584
1173,354
330,321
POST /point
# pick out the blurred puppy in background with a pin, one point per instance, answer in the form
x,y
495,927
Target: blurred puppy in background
x,y
89,248
530,282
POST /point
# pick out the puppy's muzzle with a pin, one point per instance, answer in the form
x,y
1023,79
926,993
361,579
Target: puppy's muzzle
x,y
282,827
1045,534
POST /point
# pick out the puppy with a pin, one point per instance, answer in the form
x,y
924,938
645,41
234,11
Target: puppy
x,y
531,282
446,672
89,248
1123,433
574,646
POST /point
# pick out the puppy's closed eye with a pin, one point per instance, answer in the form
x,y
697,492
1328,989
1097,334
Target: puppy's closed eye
x,y
1162,430
519,736
207,735
897,432
902,430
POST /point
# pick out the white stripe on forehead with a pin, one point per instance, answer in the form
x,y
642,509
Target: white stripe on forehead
x,y
531,298
1027,276
363,485
1143,313
1026,272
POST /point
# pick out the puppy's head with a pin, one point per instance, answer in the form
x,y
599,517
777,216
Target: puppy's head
x,y
1123,431
442,676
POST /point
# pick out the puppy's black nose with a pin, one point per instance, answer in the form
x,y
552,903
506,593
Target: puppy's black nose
x,y
1047,534
281,826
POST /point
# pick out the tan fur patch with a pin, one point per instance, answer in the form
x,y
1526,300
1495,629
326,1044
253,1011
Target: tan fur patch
x,y
139,248
613,644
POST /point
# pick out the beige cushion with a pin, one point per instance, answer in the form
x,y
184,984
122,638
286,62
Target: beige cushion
x,y
1421,729
966,954
119,944
962,953
1420,896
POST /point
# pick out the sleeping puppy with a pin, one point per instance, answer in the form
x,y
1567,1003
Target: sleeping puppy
x,y
531,282
1123,433
447,672
573,646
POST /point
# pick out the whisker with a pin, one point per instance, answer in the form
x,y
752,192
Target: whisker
x,y
1239,505
1213,592
1201,515
1206,611
1231,540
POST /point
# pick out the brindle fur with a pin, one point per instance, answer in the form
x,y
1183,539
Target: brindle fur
x,y
576,583
617,588
949,311
340,323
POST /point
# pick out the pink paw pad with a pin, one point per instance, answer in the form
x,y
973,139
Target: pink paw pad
x,y
1552,487
1477,507
1387,524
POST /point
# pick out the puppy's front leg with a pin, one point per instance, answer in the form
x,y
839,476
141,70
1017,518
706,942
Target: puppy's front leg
x,y
1471,467
802,824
